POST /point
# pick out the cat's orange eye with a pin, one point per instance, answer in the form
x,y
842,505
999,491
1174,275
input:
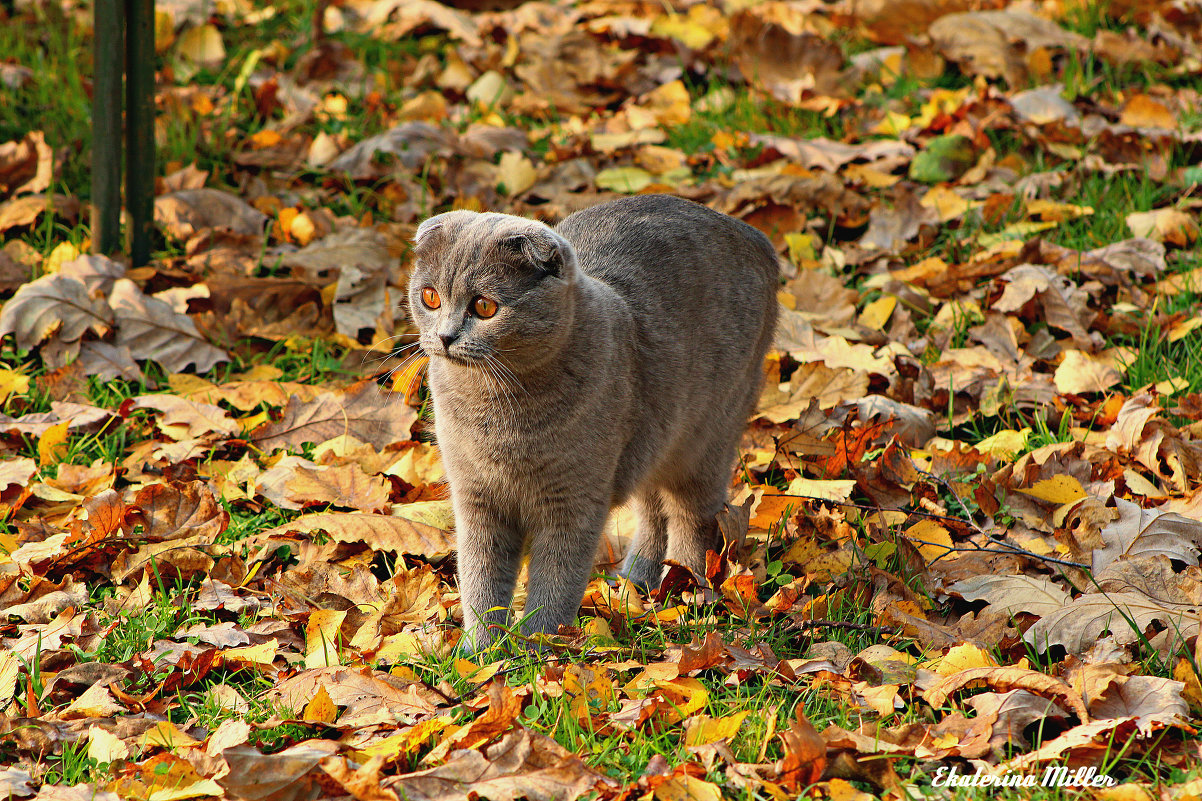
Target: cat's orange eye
x,y
483,307
430,298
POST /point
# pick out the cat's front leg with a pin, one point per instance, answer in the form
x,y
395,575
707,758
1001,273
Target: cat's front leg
x,y
489,553
561,561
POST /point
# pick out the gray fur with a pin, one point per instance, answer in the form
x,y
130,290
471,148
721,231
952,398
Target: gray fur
x,y
621,365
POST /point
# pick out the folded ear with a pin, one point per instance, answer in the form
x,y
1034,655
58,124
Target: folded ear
x,y
428,229
543,249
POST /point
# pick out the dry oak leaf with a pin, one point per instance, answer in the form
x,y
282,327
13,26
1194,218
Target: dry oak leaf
x,y
151,329
1013,594
1126,615
379,532
363,411
26,209
1010,678
1088,742
188,418
524,764
363,694
16,472
283,775
1153,702
1147,532
190,211
54,304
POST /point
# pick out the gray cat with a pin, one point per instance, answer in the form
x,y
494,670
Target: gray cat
x,y
615,357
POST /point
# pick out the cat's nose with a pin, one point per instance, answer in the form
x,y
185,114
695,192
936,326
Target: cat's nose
x,y
447,339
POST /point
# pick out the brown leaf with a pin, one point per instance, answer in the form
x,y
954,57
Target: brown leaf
x,y
26,165
190,211
1007,678
171,512
1153,701
1148,532
805,754
26,209
107,362
787,63
379,532
996,43
363,411
1013,594
189,418
54,304
360,258
151,329
81,417
1126,615
346,486
524,764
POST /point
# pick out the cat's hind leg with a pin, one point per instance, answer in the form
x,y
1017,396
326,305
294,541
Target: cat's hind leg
x,y
691,506
643,564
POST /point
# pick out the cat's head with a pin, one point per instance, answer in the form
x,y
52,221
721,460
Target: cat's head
x,y
490,286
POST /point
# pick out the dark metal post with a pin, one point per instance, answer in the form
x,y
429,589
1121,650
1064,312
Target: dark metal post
x,y
139,127
108,57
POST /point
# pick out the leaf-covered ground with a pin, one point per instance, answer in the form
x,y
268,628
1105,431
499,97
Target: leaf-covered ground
x,y
964,530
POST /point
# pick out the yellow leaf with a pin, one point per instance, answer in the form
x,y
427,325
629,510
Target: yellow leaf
x,y
321,708
650,675
877,313
624,179
686,788
166,735
515,173
695,30
686,696
963,657
477,674
801,247
933,540
1057,489
406,742
827,489
892,124
946,202
253,656
52,445
63,252
12,383
105,747
1142,111
1005,444
322,634
702,729
589,689
1177,333
202,45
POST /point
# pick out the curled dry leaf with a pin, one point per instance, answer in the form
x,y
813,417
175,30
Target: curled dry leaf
x,y
1007,678
54,304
